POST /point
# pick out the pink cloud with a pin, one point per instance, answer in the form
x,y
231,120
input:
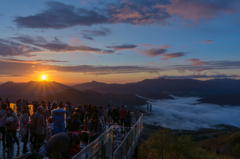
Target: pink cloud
x,y
196,10
196,62
127,13
172,55
138,14
154,52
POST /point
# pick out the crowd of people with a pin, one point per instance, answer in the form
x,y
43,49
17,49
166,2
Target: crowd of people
x,y
84,123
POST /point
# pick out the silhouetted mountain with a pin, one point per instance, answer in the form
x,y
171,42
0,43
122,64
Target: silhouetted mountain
x,y
31,90
180,87
89,85
95,98
151,88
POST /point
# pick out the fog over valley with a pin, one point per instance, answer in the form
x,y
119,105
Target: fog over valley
x,y
187,113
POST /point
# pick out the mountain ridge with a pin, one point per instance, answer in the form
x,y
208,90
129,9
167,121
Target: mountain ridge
x,y
150,88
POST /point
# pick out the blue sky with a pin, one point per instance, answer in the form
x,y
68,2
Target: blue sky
x,y
119,41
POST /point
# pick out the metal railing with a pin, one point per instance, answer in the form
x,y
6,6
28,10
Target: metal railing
x,y
127,146
99,148
102,147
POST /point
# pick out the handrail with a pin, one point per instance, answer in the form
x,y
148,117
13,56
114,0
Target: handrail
x,y
127,135
126,147
92,146
96,139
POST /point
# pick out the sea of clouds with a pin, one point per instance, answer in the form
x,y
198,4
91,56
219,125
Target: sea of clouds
x,y
185,113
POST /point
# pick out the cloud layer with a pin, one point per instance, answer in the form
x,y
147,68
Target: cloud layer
x,y
11,48
185,113
23,45
59,15
21,67
202,76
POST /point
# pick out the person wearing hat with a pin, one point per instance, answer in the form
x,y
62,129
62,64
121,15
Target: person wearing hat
x,y
94,127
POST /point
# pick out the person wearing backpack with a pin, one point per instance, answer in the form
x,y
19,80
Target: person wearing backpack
x,y
38,126
11,123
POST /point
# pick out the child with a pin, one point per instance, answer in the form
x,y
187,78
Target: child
x,y
49,123
49,128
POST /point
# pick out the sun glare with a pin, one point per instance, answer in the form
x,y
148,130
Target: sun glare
x,y
43,77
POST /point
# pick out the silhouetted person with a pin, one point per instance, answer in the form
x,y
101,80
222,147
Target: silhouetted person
x,y
39,124
7,102
94,127
123,113
2,128
10,122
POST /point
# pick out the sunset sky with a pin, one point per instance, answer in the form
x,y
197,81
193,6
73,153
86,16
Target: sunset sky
x,y
117,41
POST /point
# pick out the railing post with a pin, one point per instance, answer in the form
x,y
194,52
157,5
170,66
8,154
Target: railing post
x,y
121,152
131,139
127,146
86,156
102,151
112,142
135,132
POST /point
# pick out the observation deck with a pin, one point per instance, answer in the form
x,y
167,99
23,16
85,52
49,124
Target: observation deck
x,y
117,142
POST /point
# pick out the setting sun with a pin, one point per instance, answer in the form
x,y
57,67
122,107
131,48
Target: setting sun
x,y
44,77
